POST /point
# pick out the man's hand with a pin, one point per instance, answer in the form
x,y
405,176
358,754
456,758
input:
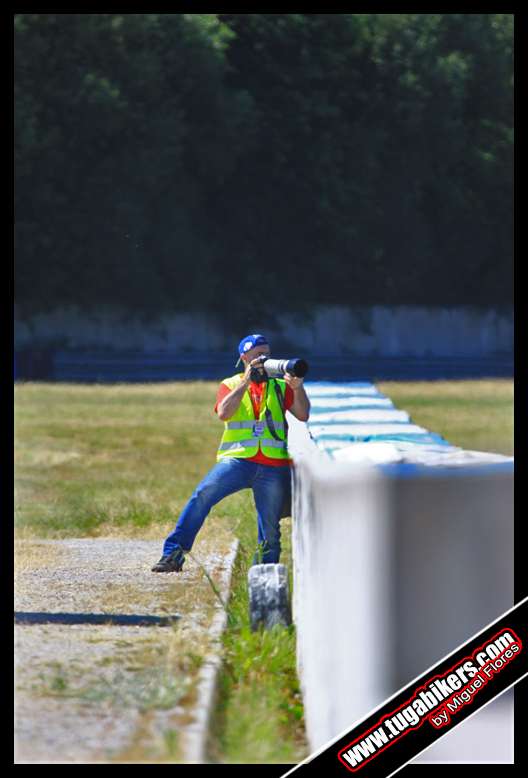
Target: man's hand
x,y
293,381
257,362
301,404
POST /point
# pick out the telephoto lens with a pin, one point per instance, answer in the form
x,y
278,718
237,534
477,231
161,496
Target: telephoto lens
x,y
275,368
297,367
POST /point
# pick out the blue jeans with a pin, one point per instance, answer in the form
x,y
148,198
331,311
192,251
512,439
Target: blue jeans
x,y
270,486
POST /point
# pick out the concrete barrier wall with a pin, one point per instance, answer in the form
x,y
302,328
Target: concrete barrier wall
x,y
394,568
390,575
359,330
340,604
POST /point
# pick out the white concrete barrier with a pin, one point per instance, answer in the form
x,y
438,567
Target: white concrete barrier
x,y
398,558
389,331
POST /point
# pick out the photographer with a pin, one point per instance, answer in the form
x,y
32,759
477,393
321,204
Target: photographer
x,y
252,453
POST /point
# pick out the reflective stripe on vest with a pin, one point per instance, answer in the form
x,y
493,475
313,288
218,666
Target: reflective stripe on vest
x,y
252,442
241,436
248,425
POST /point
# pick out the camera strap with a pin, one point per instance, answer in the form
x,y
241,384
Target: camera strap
x,y
269,418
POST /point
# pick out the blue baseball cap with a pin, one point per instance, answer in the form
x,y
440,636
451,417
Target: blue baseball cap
x,y
250,342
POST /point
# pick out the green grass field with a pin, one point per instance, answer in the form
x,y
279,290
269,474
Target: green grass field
x,y
475,415
123,459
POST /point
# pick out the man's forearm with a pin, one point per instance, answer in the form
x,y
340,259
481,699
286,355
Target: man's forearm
x,y
301,404
231,401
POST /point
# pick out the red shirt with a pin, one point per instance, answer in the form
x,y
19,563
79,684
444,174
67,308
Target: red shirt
x,y
255,393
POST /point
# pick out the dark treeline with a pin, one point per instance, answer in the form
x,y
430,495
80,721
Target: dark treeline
x,y
244,163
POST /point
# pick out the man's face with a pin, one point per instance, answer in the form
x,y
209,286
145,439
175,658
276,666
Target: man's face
x,y
255,352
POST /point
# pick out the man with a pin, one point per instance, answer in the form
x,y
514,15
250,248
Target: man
x,y
253,453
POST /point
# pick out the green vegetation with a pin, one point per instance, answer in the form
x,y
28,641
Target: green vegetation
x,y
475,415
366,156
259,717
97,460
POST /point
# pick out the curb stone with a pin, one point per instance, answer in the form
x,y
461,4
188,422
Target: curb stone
x,y
197,733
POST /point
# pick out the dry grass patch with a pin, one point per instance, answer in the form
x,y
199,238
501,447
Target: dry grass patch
x,y
31,554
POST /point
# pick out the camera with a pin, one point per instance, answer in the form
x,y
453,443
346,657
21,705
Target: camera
x,y
276,368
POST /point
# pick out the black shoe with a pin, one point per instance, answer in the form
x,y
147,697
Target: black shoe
x,y
170,563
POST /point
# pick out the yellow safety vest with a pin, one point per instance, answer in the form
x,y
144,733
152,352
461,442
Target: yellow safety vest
x,y
244,435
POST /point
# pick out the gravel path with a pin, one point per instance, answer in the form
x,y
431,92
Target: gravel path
x,y
99,693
